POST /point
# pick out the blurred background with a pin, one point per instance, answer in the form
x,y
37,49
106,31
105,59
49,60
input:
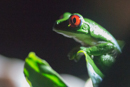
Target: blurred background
x,y
27,26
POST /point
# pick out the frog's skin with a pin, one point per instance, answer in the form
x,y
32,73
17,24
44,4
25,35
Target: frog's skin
x,y
95,40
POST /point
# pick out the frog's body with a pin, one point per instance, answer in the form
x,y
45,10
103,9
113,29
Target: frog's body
x,y
95,40
99,32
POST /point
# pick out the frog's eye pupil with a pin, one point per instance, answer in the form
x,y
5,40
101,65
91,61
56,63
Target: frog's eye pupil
x,y
75,21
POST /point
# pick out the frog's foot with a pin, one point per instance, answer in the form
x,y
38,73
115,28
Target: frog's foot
x,y
76,57
73,55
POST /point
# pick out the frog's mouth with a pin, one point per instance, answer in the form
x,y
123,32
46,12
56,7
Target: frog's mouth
x,y
64,33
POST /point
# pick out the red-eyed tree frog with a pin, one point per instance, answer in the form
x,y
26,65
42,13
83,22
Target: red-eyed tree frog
x,y
96,42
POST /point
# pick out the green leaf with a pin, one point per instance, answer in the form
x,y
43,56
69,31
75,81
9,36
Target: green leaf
x,y
38,73
95,74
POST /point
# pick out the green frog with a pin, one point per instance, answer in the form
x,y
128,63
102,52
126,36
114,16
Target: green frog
x,y
95,40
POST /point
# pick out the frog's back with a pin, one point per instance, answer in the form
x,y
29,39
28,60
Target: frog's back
x,y
99,32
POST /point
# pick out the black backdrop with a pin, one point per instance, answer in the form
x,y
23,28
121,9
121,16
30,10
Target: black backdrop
x,y
27,26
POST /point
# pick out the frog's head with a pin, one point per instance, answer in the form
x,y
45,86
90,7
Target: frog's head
x,y
70,24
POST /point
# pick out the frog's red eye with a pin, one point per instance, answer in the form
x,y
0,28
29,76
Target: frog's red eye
x,y
74,21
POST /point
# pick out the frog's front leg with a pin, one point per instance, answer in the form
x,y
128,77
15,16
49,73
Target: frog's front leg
x,y
97,50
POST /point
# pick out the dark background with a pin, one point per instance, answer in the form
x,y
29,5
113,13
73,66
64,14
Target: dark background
x,y
27,26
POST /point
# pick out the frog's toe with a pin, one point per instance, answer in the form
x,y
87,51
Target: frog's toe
x,y
75,56
78,57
